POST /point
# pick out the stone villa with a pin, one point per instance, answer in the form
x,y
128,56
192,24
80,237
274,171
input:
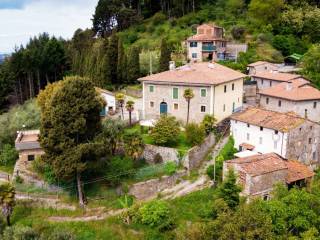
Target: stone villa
x,y
218,90
287,134
207,44
294,96
259,173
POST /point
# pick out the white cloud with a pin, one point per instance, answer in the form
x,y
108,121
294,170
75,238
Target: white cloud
x,y
57,17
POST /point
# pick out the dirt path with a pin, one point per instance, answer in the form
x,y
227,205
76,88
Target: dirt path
x,y
88,218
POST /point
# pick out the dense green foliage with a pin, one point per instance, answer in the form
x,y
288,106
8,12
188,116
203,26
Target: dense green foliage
x,y
166,131
8,155
209,123
69,123
229,190
195,134
156,214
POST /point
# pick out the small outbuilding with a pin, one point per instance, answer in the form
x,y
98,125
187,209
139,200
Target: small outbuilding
x,y
259,173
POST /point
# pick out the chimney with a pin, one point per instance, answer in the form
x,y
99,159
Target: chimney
x,y
289,86
172,65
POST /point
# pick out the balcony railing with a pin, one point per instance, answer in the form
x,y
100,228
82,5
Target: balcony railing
x,y
209,48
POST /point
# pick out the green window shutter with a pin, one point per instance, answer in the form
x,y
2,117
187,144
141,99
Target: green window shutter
x,y
175,93
203,92
151,88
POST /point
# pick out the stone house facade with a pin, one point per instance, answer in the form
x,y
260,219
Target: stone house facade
x,y
296,96
218,91
286,134
259,173
207,44
261,66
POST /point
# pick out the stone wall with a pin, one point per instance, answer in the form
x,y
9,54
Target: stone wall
x,y
167,154
195,155
250,94
151,188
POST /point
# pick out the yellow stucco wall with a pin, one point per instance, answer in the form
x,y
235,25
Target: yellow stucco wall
x,y
227,98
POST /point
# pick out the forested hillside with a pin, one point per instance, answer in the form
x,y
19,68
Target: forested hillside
x,y
124,42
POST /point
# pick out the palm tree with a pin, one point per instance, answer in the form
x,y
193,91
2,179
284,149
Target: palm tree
x,y
7,201
188,95
120,98
130,108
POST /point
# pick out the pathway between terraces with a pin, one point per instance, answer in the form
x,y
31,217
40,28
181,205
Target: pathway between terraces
x,y
181,189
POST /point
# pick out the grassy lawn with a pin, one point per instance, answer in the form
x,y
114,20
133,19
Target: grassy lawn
x,y
7,169
182,146
193,207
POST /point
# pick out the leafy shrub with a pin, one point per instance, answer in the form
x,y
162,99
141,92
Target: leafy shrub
x,y
156,214
133,145
119,168
166,131
170,168
195,134
210,172
238,32
209,123
150,172
19,232
8,155
44,169
159,18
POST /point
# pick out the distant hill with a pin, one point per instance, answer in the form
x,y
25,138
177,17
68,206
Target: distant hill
x,y
3,56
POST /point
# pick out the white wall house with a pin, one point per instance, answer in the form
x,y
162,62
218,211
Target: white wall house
x,y
296,96
287,134
109,99
264,140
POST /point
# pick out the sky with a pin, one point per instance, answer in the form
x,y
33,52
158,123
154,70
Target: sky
x,y
22,19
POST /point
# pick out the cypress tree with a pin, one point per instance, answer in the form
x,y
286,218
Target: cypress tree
x,y
121,66
165,56
113,58
133,67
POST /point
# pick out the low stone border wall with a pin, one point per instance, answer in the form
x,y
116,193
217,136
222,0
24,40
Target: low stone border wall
x,y
195,155
151,188
167,154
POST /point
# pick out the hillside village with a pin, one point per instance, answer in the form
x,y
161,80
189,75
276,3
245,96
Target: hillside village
x,y
206,146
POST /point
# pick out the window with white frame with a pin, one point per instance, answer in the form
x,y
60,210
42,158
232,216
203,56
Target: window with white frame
x,y
176,106
151,88
175,93
194,55
203,109
151,104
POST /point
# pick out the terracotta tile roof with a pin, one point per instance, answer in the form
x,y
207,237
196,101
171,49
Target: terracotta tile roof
x,y
297,171
258,63
196,73
276,76
269,119
260,164
299,90
208,25
247,146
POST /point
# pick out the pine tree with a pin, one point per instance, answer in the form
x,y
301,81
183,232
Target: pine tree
x,y
133,68
165,56
113,58
121,66
106,66
229,190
